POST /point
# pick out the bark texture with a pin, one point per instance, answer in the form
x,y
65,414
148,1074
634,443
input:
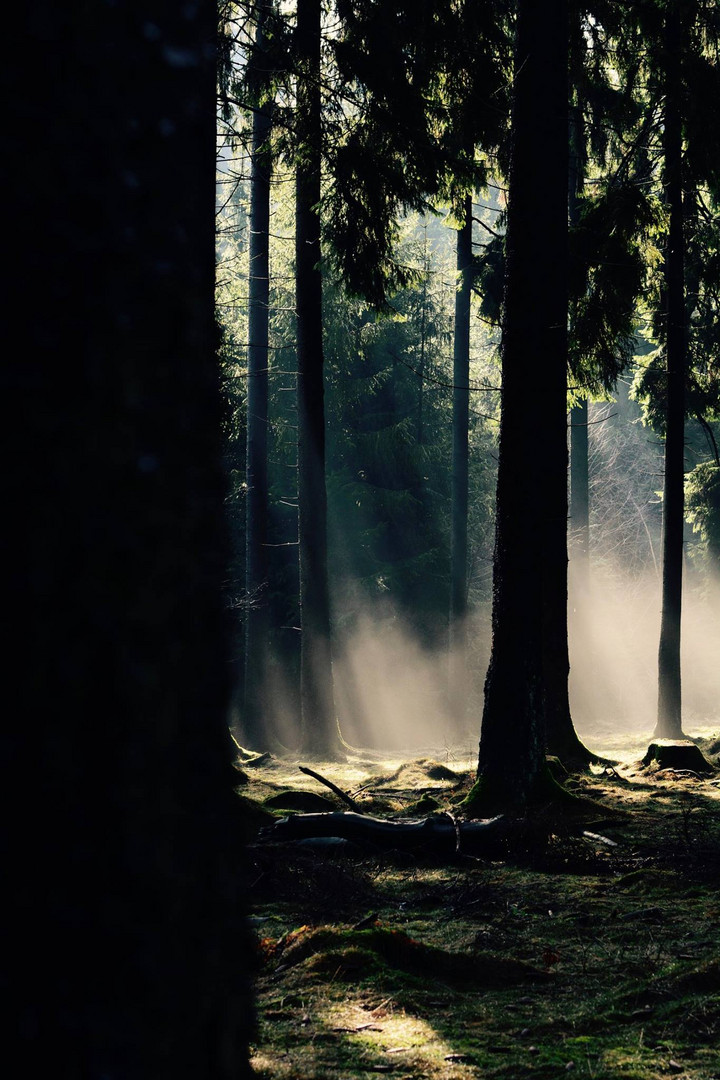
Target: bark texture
x,y
439,833
530,561
128,954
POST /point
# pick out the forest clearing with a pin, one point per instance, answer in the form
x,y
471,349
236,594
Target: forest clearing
x,y
590,949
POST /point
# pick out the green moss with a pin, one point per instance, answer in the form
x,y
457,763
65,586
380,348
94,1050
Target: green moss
x,y
305,802
632,980
401,952
485,798
426,804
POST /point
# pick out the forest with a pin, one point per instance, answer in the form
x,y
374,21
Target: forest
x,y
364,557
371,441
467,293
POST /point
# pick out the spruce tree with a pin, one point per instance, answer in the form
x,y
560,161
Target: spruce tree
x,y
255,710
669,722
530,563
458,683
319,725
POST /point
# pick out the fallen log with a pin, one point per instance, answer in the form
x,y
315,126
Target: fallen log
x,y
439,833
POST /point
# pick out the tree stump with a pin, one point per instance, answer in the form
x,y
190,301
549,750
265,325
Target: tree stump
x,y
679,754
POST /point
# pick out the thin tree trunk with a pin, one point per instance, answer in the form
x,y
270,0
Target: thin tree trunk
x,y
579,457
580,494
459,514
319,733
584,690
562,739
530,559
579,477
255,733
579,431
420,428
669,722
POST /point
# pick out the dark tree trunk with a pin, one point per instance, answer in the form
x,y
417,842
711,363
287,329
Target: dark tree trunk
x,y
255,733
562,739
669,723
580,613
121,854
459,515
579,457
530,562
420,425
580,492
319,732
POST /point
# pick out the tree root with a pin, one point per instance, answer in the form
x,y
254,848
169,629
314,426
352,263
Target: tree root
x,y
549,798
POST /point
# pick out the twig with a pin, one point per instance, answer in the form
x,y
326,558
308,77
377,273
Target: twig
x,y
333,787
599,838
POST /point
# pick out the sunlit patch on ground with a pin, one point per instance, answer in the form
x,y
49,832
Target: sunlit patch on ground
x,y
626,938
343,1034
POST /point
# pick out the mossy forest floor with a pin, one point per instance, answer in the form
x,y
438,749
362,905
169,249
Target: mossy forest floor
x,y
574,958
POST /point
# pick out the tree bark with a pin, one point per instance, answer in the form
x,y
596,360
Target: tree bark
x,y
530,561
580,494
319,732
569,748
437,833
669,721
579,456
458,682
562,739
123,883
255,710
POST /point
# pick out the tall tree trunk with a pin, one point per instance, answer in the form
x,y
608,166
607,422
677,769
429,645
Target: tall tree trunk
x,y
319,733
669,722
459,514
255,711
579,475
562,739
530,561
122,864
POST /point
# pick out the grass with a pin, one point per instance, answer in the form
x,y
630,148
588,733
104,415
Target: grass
x,y
581,960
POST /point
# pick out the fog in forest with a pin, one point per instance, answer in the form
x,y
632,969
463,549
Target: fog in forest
x,y
613,634
391,684
391,688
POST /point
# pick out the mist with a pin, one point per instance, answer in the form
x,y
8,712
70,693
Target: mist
x,y
391,688
390,661
614,628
